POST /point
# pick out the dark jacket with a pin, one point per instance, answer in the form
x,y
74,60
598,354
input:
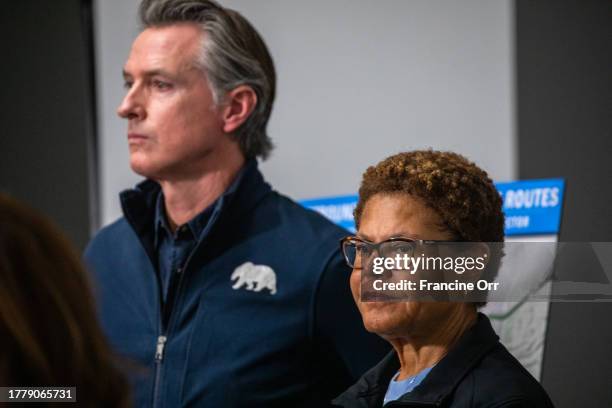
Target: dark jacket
x,y
477,372
218,343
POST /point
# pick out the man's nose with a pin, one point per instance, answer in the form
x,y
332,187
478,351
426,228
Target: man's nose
x,y
131,106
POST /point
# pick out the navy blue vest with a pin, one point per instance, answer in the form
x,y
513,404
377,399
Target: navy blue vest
x,y
215,345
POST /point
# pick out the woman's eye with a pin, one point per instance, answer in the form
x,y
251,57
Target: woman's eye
x,y
363,250
127,84
401,248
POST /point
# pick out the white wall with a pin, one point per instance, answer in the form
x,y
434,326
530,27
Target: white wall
x,y
115,26
357,81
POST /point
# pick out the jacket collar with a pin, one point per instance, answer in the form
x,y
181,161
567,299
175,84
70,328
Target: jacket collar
x,y
197,226
440,383
139,204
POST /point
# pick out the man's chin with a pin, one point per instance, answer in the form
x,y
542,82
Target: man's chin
x,y
143,169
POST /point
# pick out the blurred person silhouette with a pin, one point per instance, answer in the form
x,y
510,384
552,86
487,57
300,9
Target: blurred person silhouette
x,y
48,329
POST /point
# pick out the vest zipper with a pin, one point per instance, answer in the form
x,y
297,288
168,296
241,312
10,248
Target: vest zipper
x,y
159,350
165,319
159,356
165,323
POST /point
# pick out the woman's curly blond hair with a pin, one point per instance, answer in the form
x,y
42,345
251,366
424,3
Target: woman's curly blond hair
x,y
460,192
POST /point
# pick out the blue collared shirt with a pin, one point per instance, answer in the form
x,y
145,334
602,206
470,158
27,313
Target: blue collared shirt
x,y
174,249
398,388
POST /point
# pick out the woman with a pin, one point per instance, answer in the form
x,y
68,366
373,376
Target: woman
x,y
446,354
48,328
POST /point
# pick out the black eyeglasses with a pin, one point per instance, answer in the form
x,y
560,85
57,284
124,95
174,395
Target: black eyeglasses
x,y
356,249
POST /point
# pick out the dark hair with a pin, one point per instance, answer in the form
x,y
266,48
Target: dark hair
x,y
233,54
460,192
48,324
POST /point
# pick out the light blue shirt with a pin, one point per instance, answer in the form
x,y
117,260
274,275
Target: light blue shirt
x,y
398,388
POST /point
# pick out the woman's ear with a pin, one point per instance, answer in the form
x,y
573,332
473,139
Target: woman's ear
x,y
239,104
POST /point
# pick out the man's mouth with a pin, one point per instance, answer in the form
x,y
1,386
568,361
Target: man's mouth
x,y
136,136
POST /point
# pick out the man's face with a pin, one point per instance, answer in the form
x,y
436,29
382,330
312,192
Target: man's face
x,y
172,121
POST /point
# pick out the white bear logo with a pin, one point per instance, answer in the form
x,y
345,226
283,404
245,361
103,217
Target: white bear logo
x,y
255,277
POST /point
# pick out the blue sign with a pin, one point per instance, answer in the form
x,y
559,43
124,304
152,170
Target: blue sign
x,y
532,207
338,209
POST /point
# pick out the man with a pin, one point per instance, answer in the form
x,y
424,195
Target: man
x,y
226,293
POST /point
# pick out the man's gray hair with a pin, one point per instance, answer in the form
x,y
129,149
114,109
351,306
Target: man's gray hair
x,y
233,54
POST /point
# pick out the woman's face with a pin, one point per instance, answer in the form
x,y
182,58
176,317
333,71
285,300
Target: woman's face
x,y
391,215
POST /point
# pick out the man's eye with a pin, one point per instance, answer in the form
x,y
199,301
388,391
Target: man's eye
x,y
161,85
127,84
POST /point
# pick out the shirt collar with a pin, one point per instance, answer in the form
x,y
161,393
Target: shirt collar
x,y
138,205
197,224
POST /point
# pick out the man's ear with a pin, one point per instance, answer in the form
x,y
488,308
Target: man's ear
x,y
239,104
